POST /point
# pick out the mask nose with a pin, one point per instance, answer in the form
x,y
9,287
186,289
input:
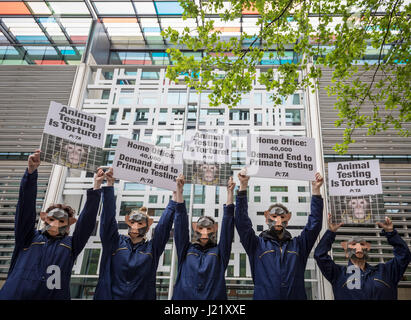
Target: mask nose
x,y
204,233
278,221
358,248
54,224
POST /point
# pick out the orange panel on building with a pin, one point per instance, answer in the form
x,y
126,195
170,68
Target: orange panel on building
x,y
13,8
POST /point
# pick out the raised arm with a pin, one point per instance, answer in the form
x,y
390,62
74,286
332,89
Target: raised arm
x,y
402,255
328,267
87,219
312,229
227,226
163,228
109,234
181,228
25,218
248,238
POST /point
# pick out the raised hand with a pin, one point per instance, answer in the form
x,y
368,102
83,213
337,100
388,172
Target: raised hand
x,y
316,185
109,177
33,161
387,225
98,178
333,226
242,176
230,190
180,186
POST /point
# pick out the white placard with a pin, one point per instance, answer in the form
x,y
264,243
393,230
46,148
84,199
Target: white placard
x,y
354,178
281,157
147,164
74,125
207,147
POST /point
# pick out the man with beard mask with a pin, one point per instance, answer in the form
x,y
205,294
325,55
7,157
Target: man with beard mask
x,y
277,260
202,263
359,280
42,260
129,263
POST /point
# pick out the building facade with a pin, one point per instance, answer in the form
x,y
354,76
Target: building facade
x,y
109,60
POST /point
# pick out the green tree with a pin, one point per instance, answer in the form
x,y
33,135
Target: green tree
x,y
327,33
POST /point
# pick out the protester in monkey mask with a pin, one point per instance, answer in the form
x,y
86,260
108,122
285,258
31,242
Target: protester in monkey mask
x,y
202,263
43,259
359,280
277,260
129,263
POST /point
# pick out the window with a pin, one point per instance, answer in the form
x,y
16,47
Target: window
x,y
198,212
258,99
258,119
302,199
113,116
162,119
257,199
136,134
260,213
126,114
302,189
296,98
257,188
132,186
90,261
141,116
292,117
279,189
243,264
163,141
111,140
167,258
199,194
150,75
301,214
260,227
152,199
239,115
284,199
273,199
177,98
127,206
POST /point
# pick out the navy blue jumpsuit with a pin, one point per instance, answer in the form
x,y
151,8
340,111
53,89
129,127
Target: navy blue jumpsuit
x,y
128,271
377,282
35,252
201,271
277,267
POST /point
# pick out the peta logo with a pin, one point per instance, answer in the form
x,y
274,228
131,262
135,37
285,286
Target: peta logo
x,y
54,280
354,280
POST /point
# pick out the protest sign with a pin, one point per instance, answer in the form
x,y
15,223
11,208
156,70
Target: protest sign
x,y
72,138
355,191
74,125
363,209
207,147
209,174
147,164
354,178
281,157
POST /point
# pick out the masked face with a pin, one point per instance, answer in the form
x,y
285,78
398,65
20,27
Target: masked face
x,y
358,207
205,231
138,224
277,219
356,249
57,222
74,153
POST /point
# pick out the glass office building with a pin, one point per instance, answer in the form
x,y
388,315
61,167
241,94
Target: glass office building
x,y
108,58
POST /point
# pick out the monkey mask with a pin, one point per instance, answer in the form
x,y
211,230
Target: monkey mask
x,y
205,231
57,222
277,217
138,222
356,248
